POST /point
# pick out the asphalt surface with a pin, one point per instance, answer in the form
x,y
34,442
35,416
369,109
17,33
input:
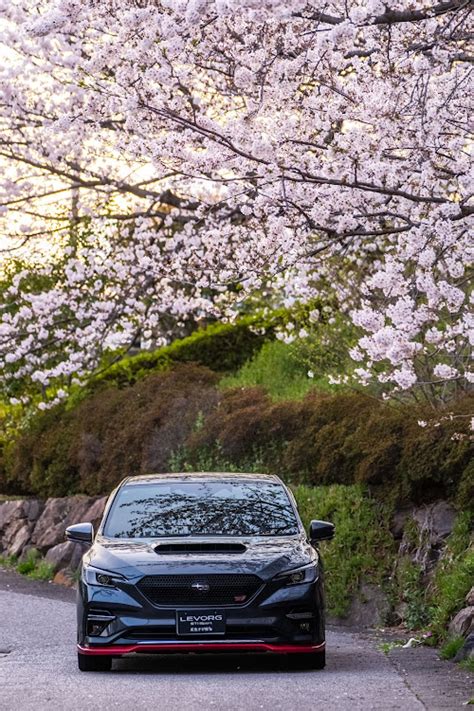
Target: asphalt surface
x,y
38,670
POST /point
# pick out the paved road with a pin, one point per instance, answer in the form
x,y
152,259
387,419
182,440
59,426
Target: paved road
x,y
38,670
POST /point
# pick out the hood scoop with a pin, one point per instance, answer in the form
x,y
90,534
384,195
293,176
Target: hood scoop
x,y
171,548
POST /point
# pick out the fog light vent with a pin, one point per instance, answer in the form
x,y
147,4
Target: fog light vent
x,y
97,622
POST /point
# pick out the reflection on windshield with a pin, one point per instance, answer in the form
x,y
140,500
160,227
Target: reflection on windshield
x,y
236,508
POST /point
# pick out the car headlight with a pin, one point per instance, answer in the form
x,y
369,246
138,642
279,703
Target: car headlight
x,y
96,576
297,576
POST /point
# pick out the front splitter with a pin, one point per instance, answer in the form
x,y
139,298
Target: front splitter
x,y
184,647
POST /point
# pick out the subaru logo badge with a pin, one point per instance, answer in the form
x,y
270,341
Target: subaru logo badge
x,y
201,587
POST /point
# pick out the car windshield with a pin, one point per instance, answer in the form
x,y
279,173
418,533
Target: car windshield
x,y
210,508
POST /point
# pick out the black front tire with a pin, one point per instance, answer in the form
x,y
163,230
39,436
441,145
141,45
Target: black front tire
x,y
89,663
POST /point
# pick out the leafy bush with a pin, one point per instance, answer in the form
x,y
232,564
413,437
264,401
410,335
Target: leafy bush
x,y
411,590
111,434
275,368
34,566
454,575
431,601
222,347
324,438
451,648
362,549
28,565
337,438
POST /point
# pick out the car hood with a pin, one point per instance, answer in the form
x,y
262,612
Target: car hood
x,y
261,556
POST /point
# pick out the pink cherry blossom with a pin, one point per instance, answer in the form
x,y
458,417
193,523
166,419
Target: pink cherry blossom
x,y
165,162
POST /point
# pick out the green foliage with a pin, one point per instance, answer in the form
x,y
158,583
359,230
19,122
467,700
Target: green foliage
x,y
336,438
387,647
213,460
222,347
8,561
276,369
465,491
454,575
29,564
432,603
451,648
326,349
410,589
111,434
33,566
324,438
362,549
42,571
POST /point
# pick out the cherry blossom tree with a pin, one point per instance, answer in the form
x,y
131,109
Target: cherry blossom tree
x,y
181,155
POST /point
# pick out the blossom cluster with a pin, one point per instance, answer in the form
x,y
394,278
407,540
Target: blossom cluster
x,y
214,148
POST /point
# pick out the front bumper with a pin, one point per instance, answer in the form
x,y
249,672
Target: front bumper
x,y
283,620
203,647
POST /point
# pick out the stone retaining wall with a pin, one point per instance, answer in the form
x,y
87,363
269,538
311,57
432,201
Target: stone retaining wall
x,y
34,524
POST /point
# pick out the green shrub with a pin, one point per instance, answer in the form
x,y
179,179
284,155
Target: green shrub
x,y
34,566
454,575
42,571
111,434
411,590
275,368
222,347
336,438
451,648
431,601
468,665
324,438
362,549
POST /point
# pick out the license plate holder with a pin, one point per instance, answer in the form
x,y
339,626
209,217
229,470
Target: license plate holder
x,y
196,623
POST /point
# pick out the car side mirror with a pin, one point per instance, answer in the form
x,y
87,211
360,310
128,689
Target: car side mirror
x,y
321,531
80,533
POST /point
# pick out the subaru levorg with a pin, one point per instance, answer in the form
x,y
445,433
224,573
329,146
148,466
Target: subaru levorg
x,y
200,563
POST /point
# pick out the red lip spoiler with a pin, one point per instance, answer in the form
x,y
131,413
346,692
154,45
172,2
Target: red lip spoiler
x,y
113,650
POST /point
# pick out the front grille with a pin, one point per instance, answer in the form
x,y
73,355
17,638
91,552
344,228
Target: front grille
x,y
233,632
208,590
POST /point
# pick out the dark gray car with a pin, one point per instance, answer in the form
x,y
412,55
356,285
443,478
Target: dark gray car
x,y
200,563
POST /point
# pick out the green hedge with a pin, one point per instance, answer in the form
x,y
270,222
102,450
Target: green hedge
x,y
341,438
180,417
108,435
221,347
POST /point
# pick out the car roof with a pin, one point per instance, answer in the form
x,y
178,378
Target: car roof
x,y
200,476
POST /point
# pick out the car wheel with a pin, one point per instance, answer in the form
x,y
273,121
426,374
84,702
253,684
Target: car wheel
x,y
314,660
87,662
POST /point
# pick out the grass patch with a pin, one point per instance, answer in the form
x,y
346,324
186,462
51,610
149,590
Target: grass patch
x,y
42,571
454,575
432,606
408,586
33,566
362,549
451,648
276,369
468,665
387,647
7,561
